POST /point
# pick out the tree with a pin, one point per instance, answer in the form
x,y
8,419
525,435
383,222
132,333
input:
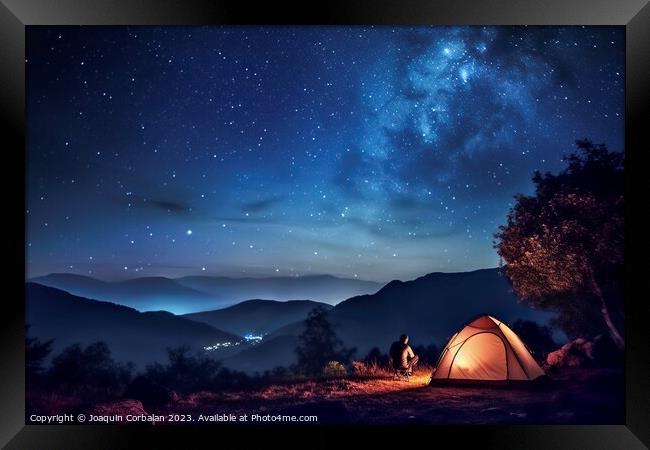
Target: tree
x,y
538,338
375,356
563,247
35,353
89,371
318,344
185,373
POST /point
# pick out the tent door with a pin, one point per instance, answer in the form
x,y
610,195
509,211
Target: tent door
x,y
481,357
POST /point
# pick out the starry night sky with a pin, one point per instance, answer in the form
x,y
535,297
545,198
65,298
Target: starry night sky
x,y
369,152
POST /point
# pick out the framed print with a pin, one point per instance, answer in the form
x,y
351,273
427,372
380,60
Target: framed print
x,y
370,218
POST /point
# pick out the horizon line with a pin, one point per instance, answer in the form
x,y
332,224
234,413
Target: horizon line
x,y
264,277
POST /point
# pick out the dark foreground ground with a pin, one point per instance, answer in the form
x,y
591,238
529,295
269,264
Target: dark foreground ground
x,y
579,396
584,396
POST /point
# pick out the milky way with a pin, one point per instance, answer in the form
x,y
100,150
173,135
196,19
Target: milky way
x,y
366,152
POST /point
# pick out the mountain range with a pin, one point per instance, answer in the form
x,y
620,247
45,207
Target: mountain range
x,y
320,288
201,293
139,337
429,309
258,317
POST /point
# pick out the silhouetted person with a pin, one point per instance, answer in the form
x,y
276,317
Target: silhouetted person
x,y
401,355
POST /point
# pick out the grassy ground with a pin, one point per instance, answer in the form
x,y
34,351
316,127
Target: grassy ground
x,y
583,396
578,396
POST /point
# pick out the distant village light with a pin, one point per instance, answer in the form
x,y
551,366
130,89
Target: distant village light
x,y
252,338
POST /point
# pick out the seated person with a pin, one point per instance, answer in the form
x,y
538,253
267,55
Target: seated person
x,y
402,356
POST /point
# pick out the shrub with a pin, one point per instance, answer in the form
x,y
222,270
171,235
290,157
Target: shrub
x,y
35,353
334,369
277,374
318,344
371,369
376,357
184,373
89,372
149,391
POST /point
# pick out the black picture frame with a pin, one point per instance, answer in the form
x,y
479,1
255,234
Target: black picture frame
x,y
15,15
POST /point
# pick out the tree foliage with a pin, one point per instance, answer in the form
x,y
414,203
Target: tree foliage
x,y
89,371
318,344
563,246
35,353
184,372
538,338
375,356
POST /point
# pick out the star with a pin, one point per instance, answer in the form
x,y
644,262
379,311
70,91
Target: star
x,y
356,159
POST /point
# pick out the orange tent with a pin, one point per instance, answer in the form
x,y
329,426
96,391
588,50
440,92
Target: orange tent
x,y
485,350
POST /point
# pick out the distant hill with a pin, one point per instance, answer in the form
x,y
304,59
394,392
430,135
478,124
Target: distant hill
x,y
201,293
320,288
429,309
144,294
131,335
257,316
276,351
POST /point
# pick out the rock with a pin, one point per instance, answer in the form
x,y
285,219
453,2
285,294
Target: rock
x,y
334,369
119,408
577,353
583,353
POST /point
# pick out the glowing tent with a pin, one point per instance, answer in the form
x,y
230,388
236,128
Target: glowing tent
x,y
485,350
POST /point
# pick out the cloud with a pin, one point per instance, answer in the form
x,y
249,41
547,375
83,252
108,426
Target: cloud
x,y
169,206
261,205
172,206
